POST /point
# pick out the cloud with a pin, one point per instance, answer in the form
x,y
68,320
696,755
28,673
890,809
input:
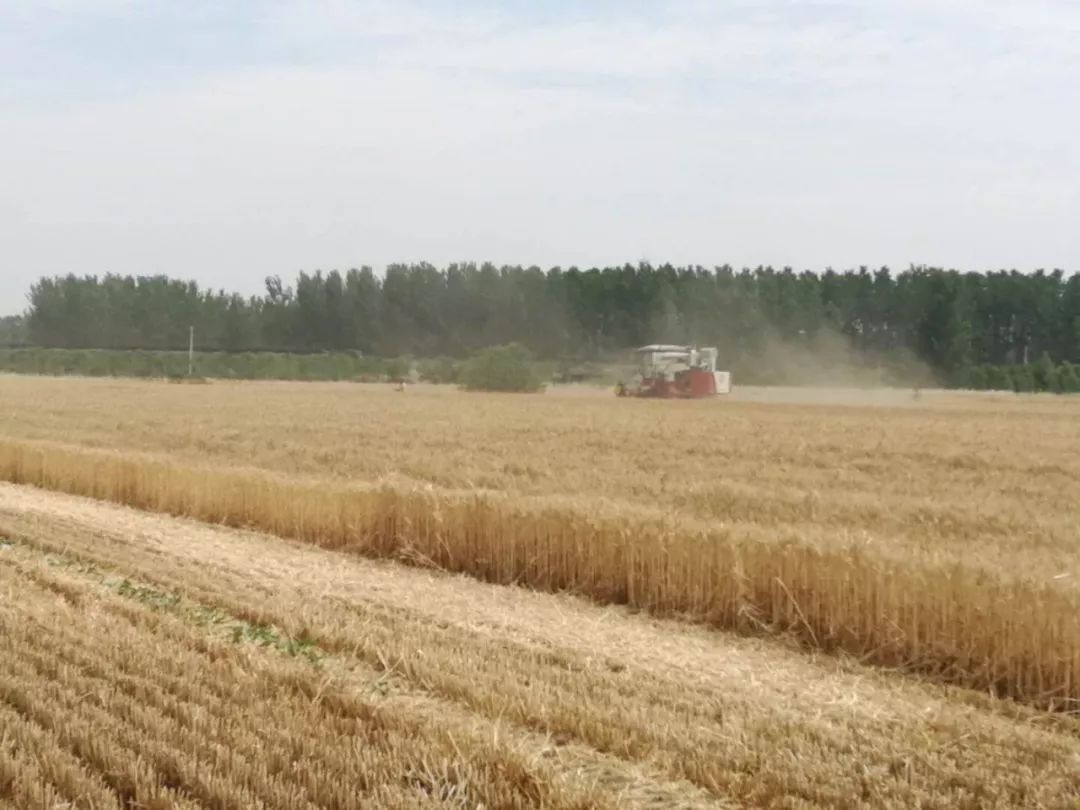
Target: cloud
x,y
233,144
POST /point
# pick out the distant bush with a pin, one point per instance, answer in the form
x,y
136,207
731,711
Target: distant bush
x,y
1068,379
440,370
1023,379
174,365
998,378
1044,374
977,378
397,368
501,368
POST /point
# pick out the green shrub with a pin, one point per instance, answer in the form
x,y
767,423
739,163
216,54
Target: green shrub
x,y
976,378
174,365
998,379
1068,379
1023,380
441,370
501,368
1044,374
397,368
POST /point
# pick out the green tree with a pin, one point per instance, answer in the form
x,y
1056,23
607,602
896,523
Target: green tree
x,y
13,331
362,306
501,368
949,322
237,332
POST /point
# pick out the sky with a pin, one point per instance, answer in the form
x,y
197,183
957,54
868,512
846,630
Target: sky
x,y
226,142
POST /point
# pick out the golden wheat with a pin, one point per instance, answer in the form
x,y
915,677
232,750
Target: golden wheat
x,y
546,699
977,478
938,537
1012,636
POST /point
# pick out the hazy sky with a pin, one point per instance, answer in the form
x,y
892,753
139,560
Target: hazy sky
x,y
225,141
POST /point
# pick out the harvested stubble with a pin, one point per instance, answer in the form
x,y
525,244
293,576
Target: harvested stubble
x,y
594,706
1007,635
107,704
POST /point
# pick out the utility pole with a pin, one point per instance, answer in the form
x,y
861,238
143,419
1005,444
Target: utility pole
x,y
191,352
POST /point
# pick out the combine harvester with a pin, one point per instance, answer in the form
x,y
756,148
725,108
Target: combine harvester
x,y
677,372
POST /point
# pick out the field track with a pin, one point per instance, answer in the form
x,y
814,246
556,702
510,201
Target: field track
x,y
168,663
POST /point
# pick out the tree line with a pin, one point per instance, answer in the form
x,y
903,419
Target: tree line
x,y
949,322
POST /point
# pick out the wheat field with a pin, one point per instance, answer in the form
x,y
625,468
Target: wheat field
x,y
899,574
154,662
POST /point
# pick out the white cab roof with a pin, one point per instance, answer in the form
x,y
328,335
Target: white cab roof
x,y
664,347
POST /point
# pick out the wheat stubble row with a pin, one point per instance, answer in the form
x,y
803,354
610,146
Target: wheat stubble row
x,y
156,715
734,720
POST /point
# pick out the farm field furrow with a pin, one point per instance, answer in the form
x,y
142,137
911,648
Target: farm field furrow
x,y
418,688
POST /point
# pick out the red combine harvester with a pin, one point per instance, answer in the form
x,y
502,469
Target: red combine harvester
x,y
677,372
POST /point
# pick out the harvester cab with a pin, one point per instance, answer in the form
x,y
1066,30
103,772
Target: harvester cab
x,y
677,372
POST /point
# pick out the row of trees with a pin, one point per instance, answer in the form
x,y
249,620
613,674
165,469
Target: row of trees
x,y
946,320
